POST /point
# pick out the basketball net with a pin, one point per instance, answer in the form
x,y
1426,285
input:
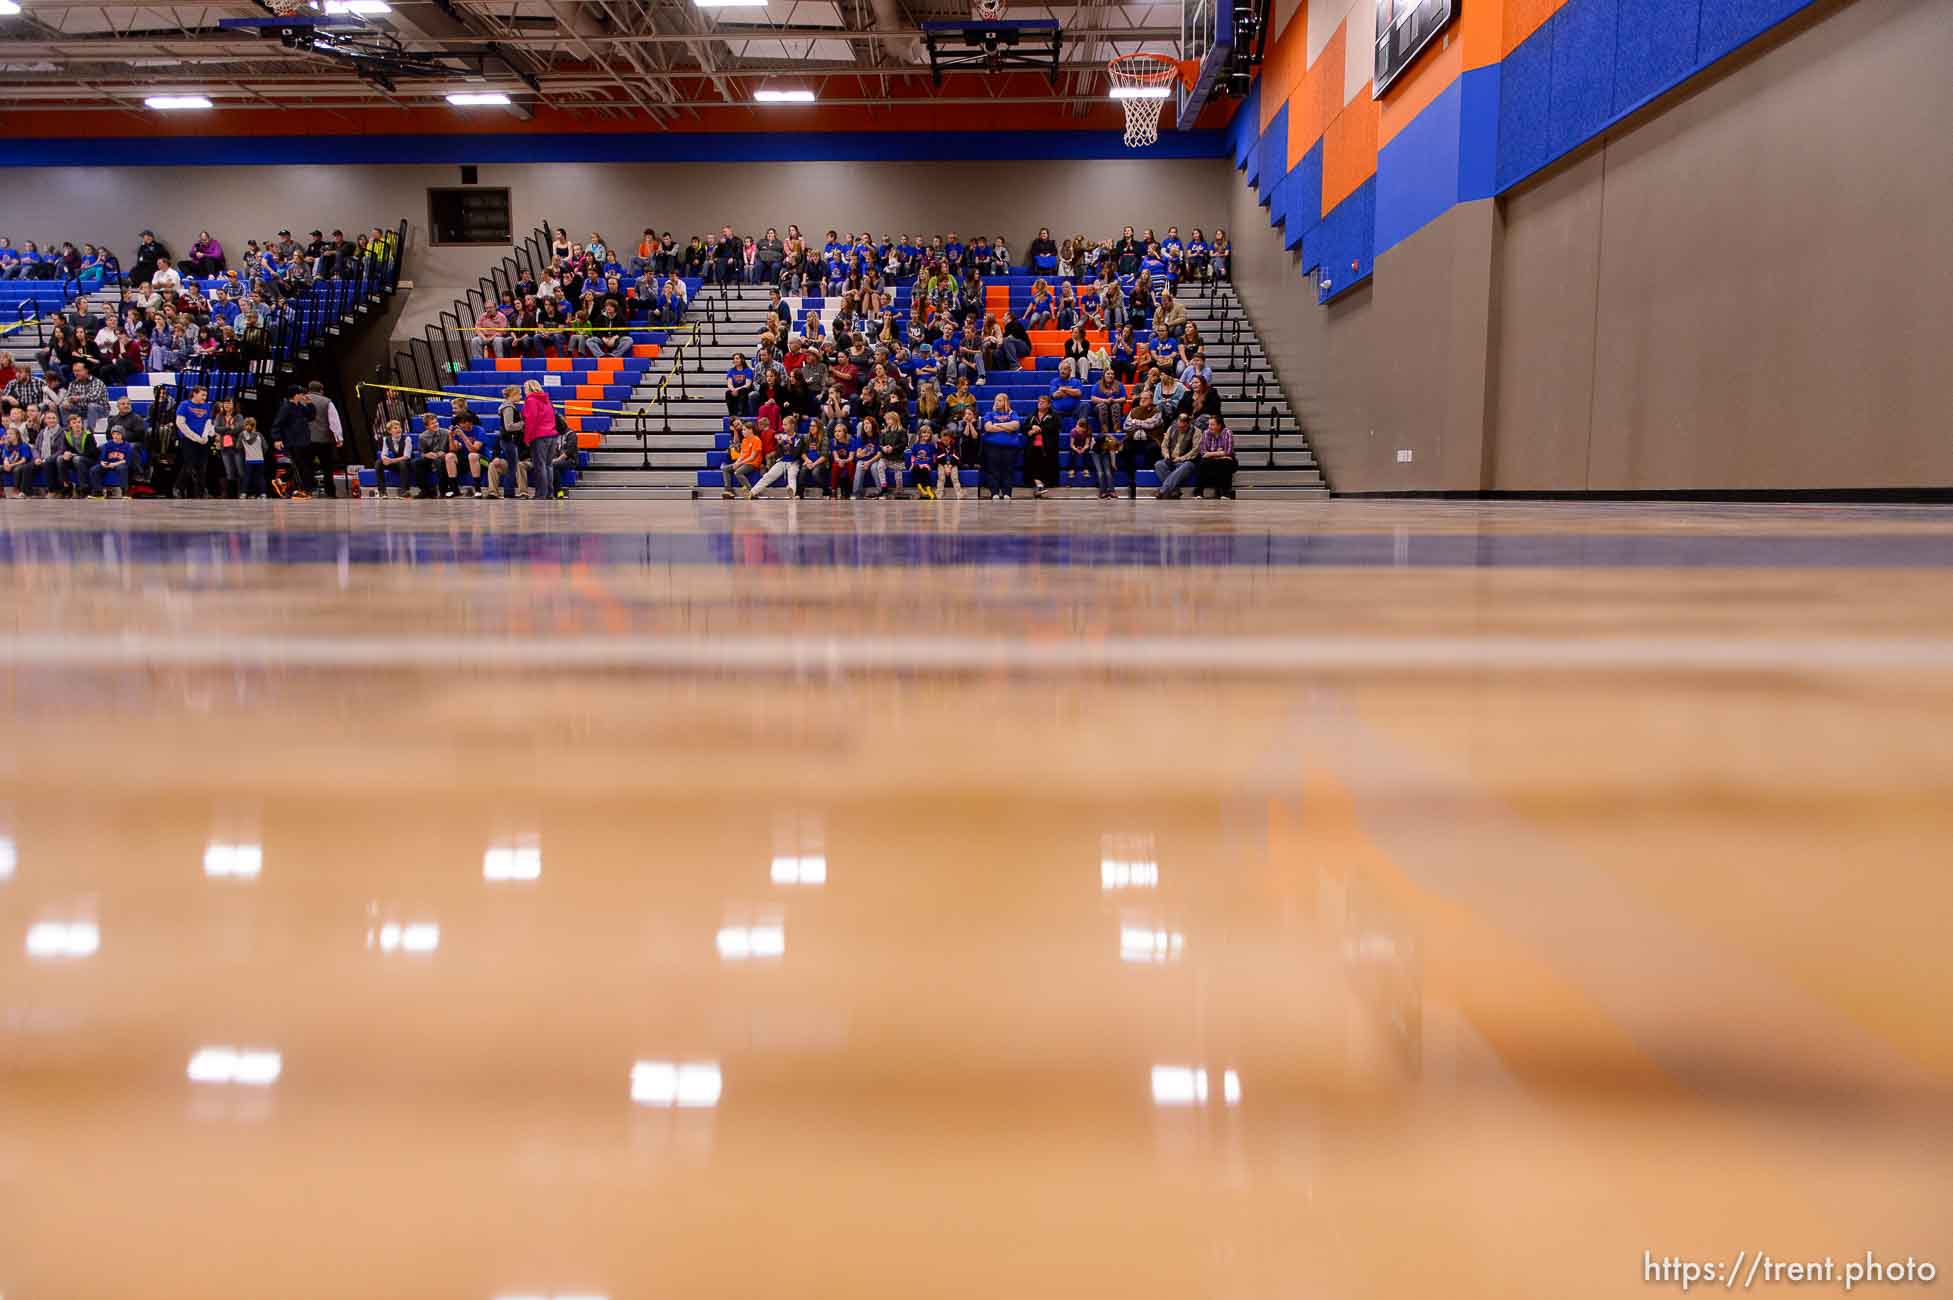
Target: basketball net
x,y
1143,83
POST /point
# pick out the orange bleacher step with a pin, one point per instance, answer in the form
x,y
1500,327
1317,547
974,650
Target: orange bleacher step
x,y
645,349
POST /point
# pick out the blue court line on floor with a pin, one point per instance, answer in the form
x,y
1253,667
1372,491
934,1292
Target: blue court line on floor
x,y
950,550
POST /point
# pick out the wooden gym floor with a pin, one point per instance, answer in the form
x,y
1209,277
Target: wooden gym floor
x,y
957,899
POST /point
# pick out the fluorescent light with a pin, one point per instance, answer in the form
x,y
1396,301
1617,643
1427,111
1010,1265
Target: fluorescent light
x,y
477,99
521,860
54,939
177,101
784,96
247,1067
240,861
8,857
690,1085
730,4
1139,92
9,7
788,870
1137,944
740,942
363,7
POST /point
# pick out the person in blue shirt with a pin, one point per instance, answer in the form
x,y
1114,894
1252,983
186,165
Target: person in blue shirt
x,y
789,450
1003,443
922,462
16,463
1066,392
1043,306
1152,263
1172,250
739,386
866,455
953,250
193,442
1196,255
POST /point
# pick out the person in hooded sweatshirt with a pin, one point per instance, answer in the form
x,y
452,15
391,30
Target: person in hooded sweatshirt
x,y
539,435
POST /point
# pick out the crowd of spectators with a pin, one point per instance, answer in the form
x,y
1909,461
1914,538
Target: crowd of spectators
x,y
863,399
158,315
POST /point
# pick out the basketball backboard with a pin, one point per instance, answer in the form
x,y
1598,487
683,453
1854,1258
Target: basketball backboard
x,y
1207,39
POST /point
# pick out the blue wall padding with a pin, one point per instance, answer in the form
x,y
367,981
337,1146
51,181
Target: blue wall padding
x,y
1525,102
1246,125
1305,196
1583,72
1478,133
1654,49
1274,152
1417,172
1726,24
1348,235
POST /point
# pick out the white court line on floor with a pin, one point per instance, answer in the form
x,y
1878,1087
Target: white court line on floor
x,y
1242,655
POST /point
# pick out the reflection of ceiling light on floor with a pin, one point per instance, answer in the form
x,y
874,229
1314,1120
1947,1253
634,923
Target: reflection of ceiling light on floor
x,y
417,936
799,870
238,861
244,1066
740,942
518,859
687,1084
1186,1085
55,939
1121,873
7,857
1150,945
544,1295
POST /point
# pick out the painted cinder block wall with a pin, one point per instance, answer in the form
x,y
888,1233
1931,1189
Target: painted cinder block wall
x,y
1609,245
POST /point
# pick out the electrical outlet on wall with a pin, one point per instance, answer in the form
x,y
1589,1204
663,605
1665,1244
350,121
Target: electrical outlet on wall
x,y
1404,456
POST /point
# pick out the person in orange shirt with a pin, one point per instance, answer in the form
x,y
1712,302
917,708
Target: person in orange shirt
x,y
748,455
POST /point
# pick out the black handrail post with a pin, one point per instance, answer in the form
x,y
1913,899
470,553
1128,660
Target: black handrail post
x,y
643,438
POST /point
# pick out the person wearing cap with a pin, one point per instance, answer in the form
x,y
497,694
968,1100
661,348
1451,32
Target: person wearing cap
x,y
149,251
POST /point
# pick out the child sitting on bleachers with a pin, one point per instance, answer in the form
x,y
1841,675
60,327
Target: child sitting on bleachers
x,y
922,462
1079,461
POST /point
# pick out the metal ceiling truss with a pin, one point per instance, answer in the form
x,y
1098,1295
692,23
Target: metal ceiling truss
x,y
651,61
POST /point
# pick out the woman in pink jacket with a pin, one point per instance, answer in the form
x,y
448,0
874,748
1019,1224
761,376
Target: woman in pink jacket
x,y
539,433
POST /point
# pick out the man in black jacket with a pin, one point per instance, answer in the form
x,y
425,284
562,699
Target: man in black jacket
x,y
725,256
291,433
147,251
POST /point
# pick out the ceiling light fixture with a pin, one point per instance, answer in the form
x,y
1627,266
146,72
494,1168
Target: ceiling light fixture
x,y
1139,92
477,99
730,4
177,101
365,8
9,7
784,96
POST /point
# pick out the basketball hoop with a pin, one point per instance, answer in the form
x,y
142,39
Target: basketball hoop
x,y
1143,83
